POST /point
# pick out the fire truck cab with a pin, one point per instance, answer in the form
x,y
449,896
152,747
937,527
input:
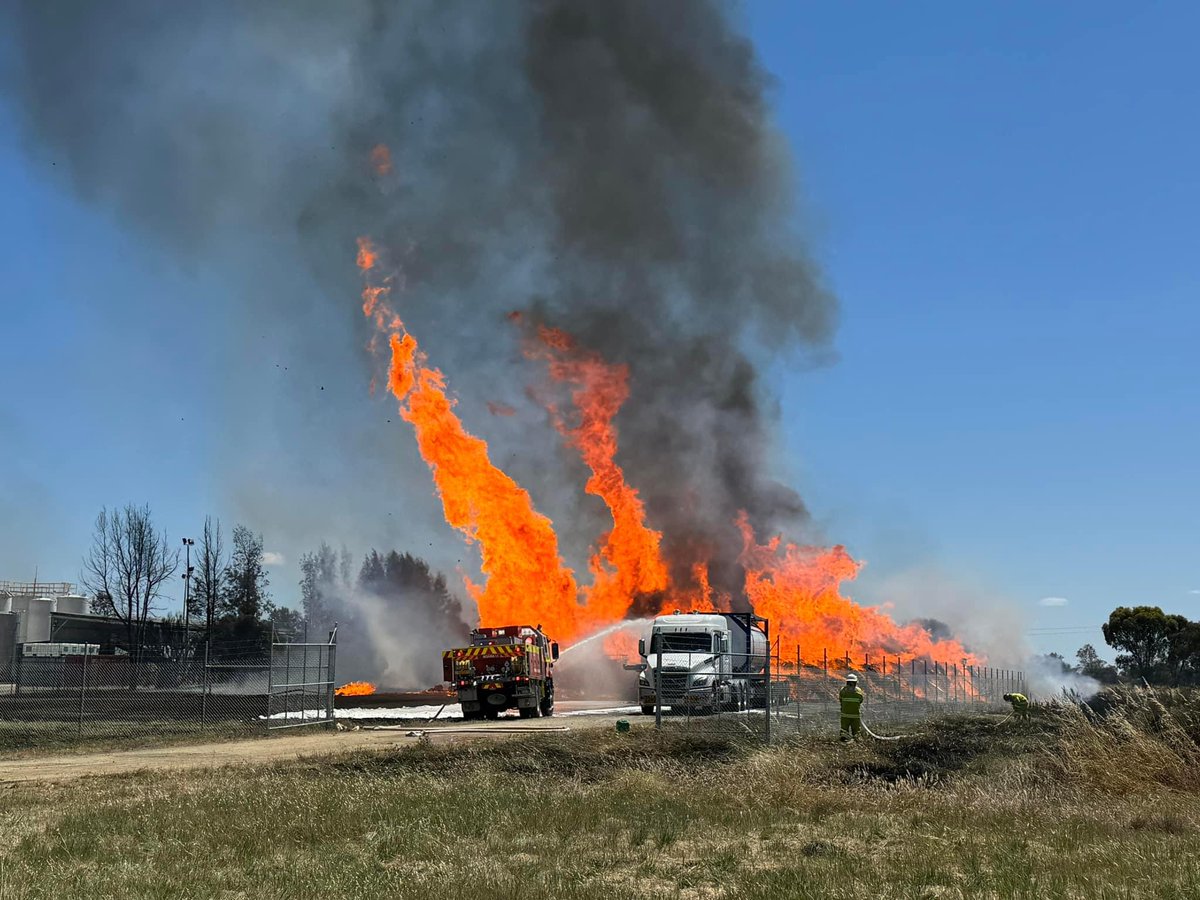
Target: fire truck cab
x,y
511,667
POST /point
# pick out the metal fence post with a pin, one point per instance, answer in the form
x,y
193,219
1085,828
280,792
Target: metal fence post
x,y
270,679
687,707
204,687
825,681
15,666
332,674
658,685
767,630
82,690
799,684
866,671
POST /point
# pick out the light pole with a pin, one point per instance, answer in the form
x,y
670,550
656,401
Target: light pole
x,y
187,584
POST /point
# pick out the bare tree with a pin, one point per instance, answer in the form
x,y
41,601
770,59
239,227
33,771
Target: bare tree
x,y
126,568
209,576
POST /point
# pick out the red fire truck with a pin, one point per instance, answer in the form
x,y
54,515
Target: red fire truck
x,y
503,668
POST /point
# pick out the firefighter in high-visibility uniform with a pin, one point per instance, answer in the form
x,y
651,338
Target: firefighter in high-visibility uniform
x,y
851,698
1020,705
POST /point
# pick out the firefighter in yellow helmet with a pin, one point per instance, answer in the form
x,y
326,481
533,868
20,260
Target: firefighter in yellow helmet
x,y
851,698
1020,705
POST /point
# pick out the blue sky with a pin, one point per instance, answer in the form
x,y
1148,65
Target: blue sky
x,y
1004,197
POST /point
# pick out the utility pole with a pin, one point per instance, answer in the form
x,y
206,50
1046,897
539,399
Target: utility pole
x,y
187,593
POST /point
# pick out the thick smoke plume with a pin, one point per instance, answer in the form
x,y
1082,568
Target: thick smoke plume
x,y
610,167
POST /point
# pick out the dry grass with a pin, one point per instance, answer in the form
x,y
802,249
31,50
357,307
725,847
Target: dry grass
x,y
1071,805
24,739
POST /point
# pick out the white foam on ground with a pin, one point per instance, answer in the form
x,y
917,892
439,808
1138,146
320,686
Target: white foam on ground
x,y
451,712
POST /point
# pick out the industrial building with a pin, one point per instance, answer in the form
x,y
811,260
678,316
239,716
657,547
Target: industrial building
x,y
49,619
34,605
27,615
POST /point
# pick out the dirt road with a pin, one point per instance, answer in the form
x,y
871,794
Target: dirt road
x,y
257,751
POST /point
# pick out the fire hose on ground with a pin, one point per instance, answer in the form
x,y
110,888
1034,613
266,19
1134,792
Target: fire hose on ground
x,y
880,737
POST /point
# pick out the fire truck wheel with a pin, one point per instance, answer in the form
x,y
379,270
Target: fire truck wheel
x,y
527,712
547,707
490,712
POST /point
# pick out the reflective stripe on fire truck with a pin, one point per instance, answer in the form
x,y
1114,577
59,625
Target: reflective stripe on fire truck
x,y
490,650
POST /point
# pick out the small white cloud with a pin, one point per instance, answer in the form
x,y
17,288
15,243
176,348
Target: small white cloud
x,y
1194,591
271,558
1053,601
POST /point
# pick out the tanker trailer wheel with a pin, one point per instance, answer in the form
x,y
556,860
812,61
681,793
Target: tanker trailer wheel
x,y
647,710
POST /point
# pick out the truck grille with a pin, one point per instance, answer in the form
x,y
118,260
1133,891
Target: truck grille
x,y
672,684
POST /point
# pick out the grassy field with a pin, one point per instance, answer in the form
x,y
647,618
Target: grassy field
x,y
1069,805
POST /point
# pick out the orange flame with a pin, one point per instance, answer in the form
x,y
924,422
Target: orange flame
x,y
798,589
701,600
621,645
355,689
381,160
366,260
525,578
629,562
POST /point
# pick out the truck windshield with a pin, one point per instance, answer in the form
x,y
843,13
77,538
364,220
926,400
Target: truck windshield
x,y
681,642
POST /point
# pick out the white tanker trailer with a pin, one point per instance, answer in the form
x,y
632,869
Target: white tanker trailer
x,y
703,662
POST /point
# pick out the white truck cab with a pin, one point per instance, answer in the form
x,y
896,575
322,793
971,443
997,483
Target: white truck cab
x,y
703,662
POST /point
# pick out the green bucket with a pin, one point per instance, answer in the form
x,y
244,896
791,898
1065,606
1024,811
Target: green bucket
x,y
622,725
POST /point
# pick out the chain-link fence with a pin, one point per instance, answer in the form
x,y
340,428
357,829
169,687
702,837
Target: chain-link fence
x,y
718,689
300,689
231,688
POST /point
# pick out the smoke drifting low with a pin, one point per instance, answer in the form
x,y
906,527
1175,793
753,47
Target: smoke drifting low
x,y
609,166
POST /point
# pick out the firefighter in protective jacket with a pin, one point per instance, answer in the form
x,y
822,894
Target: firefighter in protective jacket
x,y
1020,705
850,698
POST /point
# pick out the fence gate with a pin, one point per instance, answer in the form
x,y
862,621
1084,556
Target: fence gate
x,y
300,684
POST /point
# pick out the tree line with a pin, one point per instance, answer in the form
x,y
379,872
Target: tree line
x,y
1154,648
130,564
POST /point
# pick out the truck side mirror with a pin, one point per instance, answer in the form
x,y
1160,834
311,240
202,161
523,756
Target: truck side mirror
x,y
642,647
554,650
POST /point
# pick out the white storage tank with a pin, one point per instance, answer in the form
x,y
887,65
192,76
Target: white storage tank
x,y
72,604
6,603
35,624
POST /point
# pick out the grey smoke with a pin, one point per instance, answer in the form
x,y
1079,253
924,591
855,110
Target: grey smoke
x,y
611,166
1047,681
954,605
